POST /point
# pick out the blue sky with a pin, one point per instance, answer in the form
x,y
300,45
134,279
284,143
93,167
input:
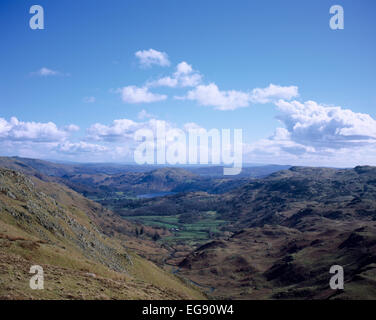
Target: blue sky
x,y
82,69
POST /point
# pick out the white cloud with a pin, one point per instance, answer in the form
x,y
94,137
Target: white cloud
x,y
316,134
80,147
164,82
151,57
103,142
321,126
184,76
72,128
278,146
183,68
133,94
119,135
210,95
288,152
46,72
35,139
191,126
122,129
313,134
273,92
31,131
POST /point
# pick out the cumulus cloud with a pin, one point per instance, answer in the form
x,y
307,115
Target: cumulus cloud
x,y
71,128
270,150
272,93
37,139
321,126
119,128
119,136
210,95
184,76
191,126
31,131
316,134
277,147
312,134
123,129
150,57
133,94
203,94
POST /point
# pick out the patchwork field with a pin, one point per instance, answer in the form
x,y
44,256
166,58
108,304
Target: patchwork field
x,y
194,233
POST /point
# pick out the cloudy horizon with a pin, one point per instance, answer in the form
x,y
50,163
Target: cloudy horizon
x,y
296,105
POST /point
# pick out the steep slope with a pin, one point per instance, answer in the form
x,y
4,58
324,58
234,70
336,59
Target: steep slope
x,y
109,223
79,261
35,166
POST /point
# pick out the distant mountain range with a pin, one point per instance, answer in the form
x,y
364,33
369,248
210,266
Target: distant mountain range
x,y
100,180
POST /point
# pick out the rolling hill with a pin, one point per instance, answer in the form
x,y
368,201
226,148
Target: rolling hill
x,y
281,234
100,181
273,237
42,223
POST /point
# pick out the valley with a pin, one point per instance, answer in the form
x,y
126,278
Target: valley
x,y
271,234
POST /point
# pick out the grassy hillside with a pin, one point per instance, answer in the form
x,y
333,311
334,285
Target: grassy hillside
x,y
279,235
79,261
269,238
275,262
